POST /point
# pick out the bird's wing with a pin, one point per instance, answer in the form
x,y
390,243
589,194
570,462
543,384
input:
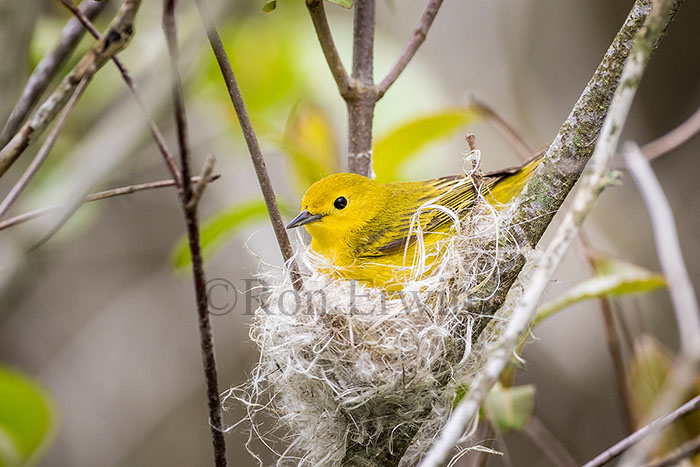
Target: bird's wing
x,y
389,233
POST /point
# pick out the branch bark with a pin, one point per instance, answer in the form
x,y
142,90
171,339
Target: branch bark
x,y
47,69
115,39
559,169
252,143
533,210
192,222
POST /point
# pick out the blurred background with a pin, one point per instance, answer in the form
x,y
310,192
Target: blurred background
x,y
102,315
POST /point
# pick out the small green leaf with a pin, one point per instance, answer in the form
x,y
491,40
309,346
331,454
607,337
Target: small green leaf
x,y
405,141
26,419
613,277
509,409
218,228
461,391
270,6
343,3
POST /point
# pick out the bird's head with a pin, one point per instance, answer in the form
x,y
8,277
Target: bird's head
x,y
336,207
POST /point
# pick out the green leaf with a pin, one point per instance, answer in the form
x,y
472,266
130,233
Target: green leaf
x,y
343,3
218,228
26,419
613,277
405,141
509,409
270,6
311,143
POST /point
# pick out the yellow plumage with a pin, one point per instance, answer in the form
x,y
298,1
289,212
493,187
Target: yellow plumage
x,y
363,227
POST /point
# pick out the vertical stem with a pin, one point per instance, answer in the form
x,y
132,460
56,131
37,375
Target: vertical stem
x,y
191,220
361,106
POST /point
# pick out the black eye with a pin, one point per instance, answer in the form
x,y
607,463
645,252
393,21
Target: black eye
x,y
340,202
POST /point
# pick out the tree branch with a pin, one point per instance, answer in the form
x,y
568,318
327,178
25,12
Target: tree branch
x,y
43,153
157,135
115,39
325,38
654,427
100,195
567,156
191,219
673,458
591,185
47,69
252,143
669,251
361,106
418,37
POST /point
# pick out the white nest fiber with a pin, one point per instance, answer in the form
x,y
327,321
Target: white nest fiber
x,y
342,364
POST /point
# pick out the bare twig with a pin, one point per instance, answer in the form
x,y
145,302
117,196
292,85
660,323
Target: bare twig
x,y
669,251
419,35
115,39
191,219
654,427
47,69
673,458
43,153
325,38
591,185
548,443
204,178
100,195
251,141
506,130
674,138
157,135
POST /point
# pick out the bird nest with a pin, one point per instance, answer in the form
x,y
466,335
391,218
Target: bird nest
x,y
343,365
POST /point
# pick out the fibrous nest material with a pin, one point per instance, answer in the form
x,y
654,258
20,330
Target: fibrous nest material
x,y
343,364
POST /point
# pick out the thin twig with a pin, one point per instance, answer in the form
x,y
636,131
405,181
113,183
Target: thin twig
x,y
47,68
506,130
115,39
252,143
669,251
418,37
44,151
674,138
100,195
591,185
673,458
613,342
548,443
654,427
199,188
191,219
157,135
325,38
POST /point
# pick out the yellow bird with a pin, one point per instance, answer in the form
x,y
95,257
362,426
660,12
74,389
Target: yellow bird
x,y
363,227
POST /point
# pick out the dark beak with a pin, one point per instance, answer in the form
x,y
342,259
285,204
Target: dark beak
x,y
305,217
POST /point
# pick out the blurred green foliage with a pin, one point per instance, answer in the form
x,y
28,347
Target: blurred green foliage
x,y
26,419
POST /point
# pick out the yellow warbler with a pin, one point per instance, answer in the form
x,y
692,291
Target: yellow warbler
x,y
363,227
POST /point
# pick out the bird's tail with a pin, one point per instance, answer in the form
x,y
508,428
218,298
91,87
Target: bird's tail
x,y
510,182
